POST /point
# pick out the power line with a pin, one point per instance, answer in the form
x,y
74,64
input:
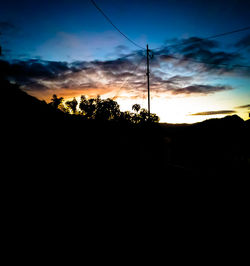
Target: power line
x,y
228,33
201,40
179,44
204,39
203,62
126,80
109,20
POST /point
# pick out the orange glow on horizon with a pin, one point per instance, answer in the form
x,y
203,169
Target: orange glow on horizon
x,y
170,109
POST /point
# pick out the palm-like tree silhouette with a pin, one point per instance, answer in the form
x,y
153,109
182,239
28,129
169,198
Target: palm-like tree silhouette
x,y
136,107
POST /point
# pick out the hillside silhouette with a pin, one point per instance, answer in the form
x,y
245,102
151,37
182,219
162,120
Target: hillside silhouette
x,y
44,138
214,147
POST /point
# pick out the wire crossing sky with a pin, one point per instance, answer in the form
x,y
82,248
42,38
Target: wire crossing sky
x,y
200,67
188,42
210,37
109,20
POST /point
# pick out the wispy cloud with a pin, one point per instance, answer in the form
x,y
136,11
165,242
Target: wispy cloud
x,y
200,89
204,56
218,112
100,75
243,106
8,28
169,75
244,43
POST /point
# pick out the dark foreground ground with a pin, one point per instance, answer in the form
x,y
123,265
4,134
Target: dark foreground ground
x,y
66,180
42,141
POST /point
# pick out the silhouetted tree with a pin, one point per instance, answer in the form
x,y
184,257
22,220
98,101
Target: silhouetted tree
x,y
136,107
126,116
107,109
88,107
96,108
55,102
72,105
153,118
64,108
145,117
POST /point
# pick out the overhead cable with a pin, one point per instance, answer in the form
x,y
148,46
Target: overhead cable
x,y
109,20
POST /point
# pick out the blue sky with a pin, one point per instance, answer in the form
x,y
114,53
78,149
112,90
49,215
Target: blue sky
x,y
44,22
74,31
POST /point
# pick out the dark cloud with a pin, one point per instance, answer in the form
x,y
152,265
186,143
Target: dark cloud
x,y
7,28
173,84
122,72
244,42
184,85
120,76
219,112
32,73
34,69
199,89
130,70
35,86
75,75
121,49
183,46
177,79
244,106
193,51
195,43
117,65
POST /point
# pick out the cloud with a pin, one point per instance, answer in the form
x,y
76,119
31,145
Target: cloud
x,y
121,50
7,28
178,79
244,106
34,69
196,43
199,89
168,75
125,74
244,43
202,55
37,74
219,112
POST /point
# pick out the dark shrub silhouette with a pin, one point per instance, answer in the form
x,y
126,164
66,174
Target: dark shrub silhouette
x,y
55,102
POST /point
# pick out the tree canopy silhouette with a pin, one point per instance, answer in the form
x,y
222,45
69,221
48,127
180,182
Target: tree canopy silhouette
x,y
72,105
103,110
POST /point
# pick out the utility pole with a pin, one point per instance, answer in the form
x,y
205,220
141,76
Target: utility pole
x,y
148,80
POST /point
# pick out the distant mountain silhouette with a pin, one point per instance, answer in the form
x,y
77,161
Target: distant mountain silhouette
x,y
213,147
247,123
227,121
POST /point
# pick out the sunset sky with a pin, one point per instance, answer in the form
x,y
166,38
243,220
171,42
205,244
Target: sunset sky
x,y
68,48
